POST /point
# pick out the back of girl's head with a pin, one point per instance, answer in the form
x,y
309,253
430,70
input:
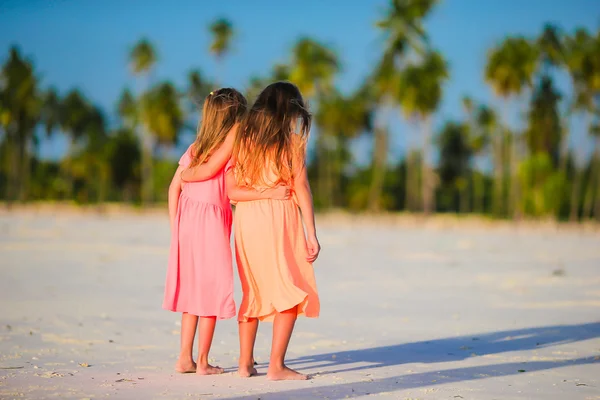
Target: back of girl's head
x,y
223,108
274,130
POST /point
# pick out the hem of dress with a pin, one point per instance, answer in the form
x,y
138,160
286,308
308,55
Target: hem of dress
x,y
269,317
220,317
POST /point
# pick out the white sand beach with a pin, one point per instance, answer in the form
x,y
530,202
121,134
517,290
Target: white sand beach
x,y
409,311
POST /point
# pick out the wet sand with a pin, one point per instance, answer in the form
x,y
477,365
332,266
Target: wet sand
x,y
410,310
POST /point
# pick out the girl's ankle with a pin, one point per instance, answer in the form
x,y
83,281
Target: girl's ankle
x,y
203,360
186,357
276,365
246,363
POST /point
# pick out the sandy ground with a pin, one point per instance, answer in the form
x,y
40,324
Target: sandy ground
x,y
408,312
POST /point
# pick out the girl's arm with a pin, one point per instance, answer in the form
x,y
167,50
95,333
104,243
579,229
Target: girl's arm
x,y
215,162
305,202
237,193
173,198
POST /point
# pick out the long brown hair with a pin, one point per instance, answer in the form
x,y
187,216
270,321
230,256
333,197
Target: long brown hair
x,y
266,135
222,109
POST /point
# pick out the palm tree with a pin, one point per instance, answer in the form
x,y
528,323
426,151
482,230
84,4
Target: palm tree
x,y
596,183
551,47
340,118
312,69
91,165
579,55
480,120
591,80
127,109
50,112
419,94
161,113
75,115
142,60
509,70
472,136
487,125
454,164
222,31
402,25
123,155
20,113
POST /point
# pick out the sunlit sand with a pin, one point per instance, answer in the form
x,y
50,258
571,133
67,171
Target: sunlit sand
x,y
411,308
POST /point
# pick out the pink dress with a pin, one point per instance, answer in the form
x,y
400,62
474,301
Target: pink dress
x,y
200,273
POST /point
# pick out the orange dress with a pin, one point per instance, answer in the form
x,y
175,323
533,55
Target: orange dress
x,y
271,253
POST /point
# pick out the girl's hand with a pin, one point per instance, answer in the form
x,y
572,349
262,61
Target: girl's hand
x,y
313,247
279,192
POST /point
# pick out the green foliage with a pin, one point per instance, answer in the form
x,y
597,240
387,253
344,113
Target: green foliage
x,y
544,129
142,57
420,86
532,167
222,31
161,113
163,173
542,183
313,66
511,66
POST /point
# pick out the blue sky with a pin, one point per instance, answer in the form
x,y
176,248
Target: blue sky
x,y
85,43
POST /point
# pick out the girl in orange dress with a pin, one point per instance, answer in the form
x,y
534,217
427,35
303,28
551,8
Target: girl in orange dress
x,y
274,254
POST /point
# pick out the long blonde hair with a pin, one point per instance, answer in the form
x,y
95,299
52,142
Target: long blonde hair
x,y
266,134
222,109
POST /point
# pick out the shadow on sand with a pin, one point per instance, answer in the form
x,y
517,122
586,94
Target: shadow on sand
x,y
437,351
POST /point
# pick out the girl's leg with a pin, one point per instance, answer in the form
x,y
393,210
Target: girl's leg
x,y
247,339
185,362
205,337
282,332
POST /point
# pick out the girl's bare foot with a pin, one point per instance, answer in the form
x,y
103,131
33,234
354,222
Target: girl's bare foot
x,y
209,370
246,371
285,374
185,366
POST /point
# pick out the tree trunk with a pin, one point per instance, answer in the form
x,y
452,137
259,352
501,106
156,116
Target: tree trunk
x,y
515,190
25,168
147,178
67,169
380,157
597,181
498,145
322,184
590,192
564,153
103,183
408,181
12,187
427,186
463,196
337,171
479,193
330,170
575,193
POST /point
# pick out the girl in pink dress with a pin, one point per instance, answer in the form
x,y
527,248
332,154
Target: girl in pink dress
x,y
199,280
